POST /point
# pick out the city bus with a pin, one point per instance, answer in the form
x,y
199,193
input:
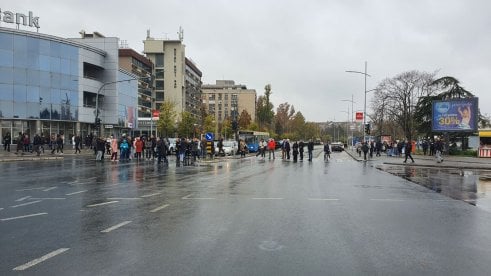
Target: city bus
x,y
252,138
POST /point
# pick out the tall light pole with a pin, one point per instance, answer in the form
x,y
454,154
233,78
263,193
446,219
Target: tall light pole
x,y
365,105
352,112
97,119
347,122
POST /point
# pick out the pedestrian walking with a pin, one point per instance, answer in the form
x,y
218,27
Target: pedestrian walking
x,y
287,148
78,143
407,151
139,148
114,149
37,142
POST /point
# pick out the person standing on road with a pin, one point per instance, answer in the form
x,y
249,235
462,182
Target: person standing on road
x,y
310,149
364,148
7,139
287,148
139,148
271,147
407,151
100,147
114,149
300,149
221,152
37,142
295,151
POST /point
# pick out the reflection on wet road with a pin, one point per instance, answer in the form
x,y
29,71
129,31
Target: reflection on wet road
x,y
471,186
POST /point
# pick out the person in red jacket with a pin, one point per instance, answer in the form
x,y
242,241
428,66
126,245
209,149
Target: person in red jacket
x,y
138,148
271,147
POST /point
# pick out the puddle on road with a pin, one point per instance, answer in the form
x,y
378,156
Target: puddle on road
x,y
471,186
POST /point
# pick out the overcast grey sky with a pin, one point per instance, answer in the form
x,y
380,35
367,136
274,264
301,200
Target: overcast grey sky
x,y
302,48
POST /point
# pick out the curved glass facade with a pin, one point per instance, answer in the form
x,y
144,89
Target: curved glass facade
x,y
38,79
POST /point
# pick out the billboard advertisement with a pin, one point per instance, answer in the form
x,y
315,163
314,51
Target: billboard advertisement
x,y
456,115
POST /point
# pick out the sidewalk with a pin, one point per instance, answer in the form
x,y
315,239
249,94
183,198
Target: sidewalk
x,y
6,156
457,162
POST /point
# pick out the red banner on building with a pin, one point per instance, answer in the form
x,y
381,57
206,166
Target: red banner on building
x,y
155,114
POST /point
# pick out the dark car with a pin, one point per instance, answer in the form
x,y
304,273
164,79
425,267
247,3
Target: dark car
x,y
337,147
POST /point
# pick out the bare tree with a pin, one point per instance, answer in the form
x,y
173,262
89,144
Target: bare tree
x,y
395,100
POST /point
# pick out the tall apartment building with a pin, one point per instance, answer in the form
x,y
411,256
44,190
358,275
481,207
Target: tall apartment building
x,y
142,67
175,79
227,100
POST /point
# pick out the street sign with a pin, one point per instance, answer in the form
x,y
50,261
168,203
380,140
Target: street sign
x,y
155,114
359,116
108,126
209,136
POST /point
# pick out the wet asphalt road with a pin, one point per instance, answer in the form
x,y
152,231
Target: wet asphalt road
x,y
237,217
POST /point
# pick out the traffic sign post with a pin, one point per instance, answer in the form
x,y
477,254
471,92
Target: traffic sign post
x,y
209,136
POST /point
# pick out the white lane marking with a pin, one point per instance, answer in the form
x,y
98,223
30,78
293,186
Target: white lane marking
x,y
24,204
187,197
74,193
49,189
151,195
115,226
26,216
199,198
268,198
22,190
324,199
386,199
1,209
123,198
23,198
159,208
103,203
50,198
42,259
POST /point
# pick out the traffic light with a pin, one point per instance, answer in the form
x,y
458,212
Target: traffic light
x,y
367,129
234,125
97,122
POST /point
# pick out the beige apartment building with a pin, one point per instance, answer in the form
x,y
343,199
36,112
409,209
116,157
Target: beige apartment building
x,y
225,99
177,79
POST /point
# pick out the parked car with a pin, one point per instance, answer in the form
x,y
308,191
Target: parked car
x,y
337,146
172,145
229,147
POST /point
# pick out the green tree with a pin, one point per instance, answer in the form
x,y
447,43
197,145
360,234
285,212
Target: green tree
x,y
209,123
185,127
264,110
167,116
244,119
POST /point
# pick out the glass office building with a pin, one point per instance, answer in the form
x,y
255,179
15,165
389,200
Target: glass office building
x,y
50,85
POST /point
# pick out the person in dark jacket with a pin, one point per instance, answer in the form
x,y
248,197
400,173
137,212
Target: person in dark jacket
x,y
37,142
300,149
295,151
7,139
364,148
310,148
407,151
287,148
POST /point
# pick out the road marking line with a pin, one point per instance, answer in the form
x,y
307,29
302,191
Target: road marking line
x,y
199,198
42,259
49,189
1,209
50,198
26,216
74,193
159,208
103,203
23,198
123,198
24,204
40,188
386,199
115,226
187,197
268,198
151,195
324,199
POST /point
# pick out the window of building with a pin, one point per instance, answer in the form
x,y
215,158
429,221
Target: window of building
x,y
175,84
159,96
159,85
220,96
159,60
159,73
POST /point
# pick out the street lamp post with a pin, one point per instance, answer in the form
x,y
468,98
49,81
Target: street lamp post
x,y
97,119
347,122
365,104
352,112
